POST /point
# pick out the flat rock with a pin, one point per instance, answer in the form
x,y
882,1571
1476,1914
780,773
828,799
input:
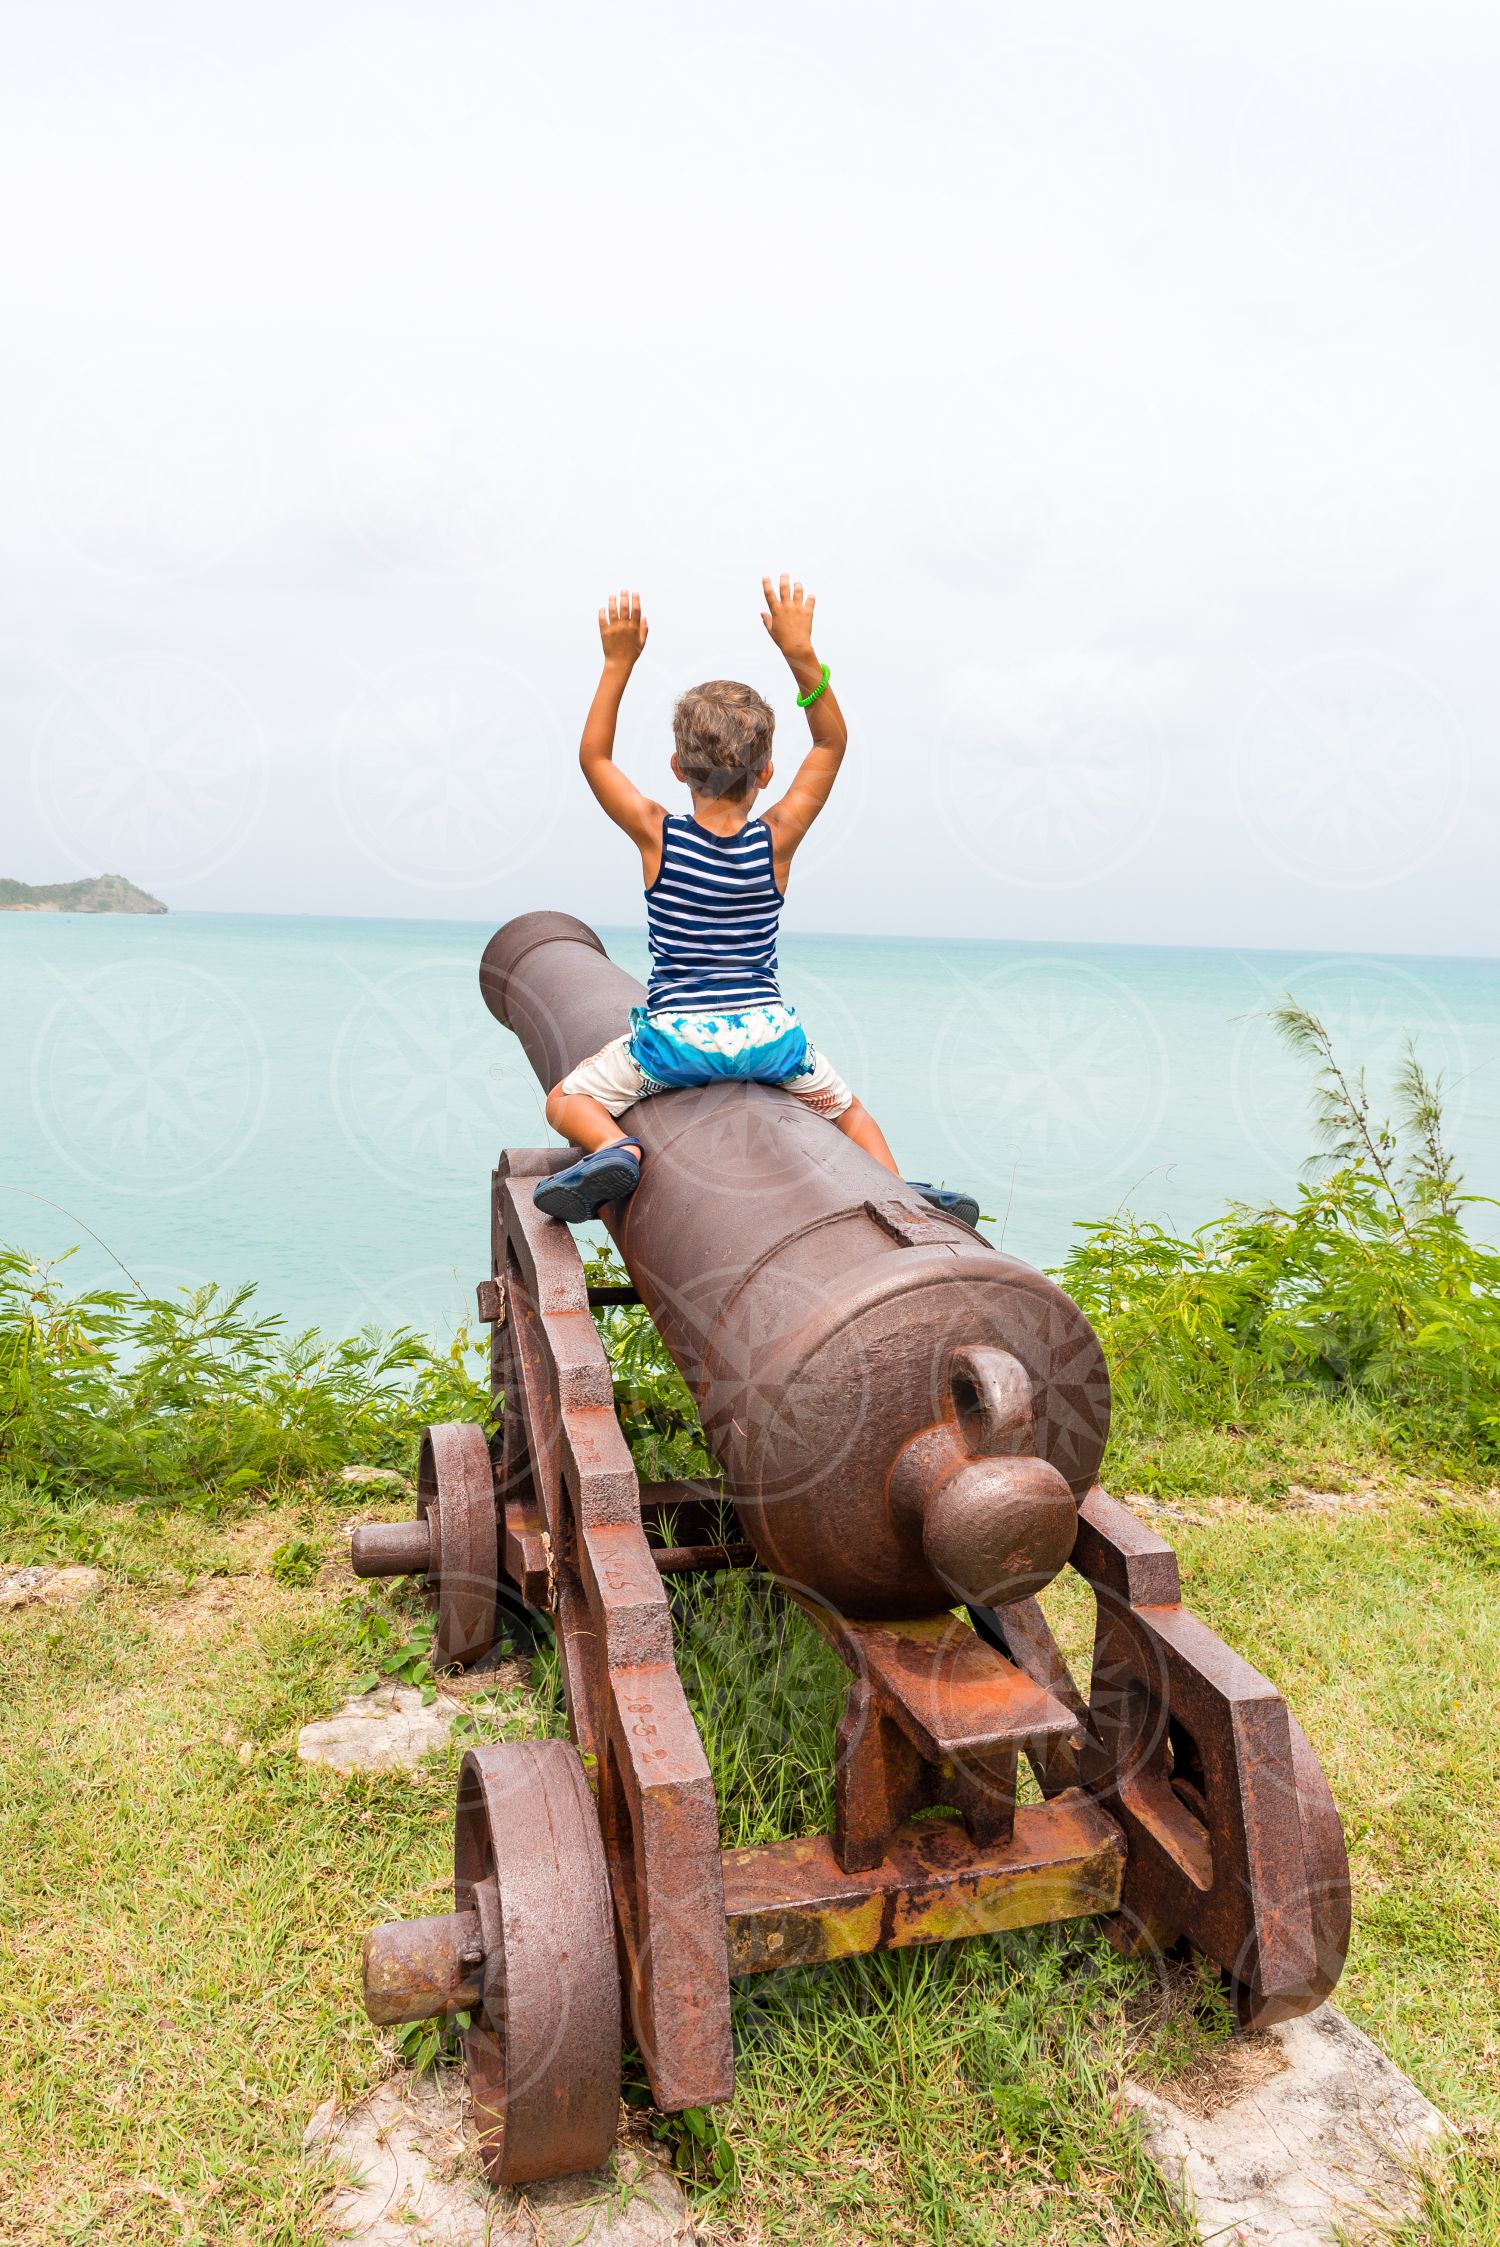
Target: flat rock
x,y
1304,2127
411,2178
49,1587
375,1474
384,1730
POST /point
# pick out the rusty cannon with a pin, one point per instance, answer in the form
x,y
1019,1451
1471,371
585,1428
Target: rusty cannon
x,y
909,1426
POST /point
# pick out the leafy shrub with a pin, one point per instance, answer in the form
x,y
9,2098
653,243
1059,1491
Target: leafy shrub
x,y
654,1403
1368,1286
105,1395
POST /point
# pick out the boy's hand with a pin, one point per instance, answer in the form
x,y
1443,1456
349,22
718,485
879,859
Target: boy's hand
x,y
790,617
623,629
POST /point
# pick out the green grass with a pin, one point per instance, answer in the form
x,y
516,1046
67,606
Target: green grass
x,y
185,1900
1458,2204
182,1899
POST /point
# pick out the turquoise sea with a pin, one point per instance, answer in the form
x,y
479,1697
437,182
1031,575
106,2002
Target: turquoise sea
x,y
315,1105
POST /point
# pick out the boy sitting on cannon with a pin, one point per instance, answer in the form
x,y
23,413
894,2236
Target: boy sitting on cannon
x,y
715,885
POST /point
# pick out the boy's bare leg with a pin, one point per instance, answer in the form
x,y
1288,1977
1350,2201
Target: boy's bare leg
x,y
583,1122
858,1124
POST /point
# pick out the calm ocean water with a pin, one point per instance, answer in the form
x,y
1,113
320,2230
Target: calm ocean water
x,y
315,1105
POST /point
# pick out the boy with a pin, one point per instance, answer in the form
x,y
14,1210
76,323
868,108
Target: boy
x,y
715,884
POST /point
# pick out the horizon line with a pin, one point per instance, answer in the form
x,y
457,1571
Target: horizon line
x,y
790,936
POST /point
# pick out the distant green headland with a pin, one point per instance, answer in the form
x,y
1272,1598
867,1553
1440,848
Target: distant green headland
x,y
103,893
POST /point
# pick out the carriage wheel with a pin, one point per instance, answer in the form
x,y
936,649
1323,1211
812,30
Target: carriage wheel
x,y
544,2048
456,1499
1327,1862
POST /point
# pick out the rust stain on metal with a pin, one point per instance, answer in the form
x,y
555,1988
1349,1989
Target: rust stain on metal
x,y
950,1691
391,1548
543,2047
792,1904
419,1967
454,1542
695,1560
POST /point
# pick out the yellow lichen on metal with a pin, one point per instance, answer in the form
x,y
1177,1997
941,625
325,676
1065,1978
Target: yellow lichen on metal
x,y
790,1904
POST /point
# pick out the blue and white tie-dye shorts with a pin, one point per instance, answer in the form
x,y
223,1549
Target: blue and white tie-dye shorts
x,y
664,1051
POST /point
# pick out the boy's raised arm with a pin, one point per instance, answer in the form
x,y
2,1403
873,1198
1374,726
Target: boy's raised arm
x,y
788,617
622,630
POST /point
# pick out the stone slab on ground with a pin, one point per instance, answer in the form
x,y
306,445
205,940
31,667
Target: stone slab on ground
x,y
410,2178
383,1730
1301,2127
49,1587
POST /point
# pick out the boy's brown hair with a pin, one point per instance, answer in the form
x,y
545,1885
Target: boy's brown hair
x,y
722,732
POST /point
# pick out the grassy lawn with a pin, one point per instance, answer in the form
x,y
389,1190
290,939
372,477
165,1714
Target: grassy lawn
x,y
184,1900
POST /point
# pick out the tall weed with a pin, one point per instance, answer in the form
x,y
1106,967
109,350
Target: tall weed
x,y
1368,1286
107,1395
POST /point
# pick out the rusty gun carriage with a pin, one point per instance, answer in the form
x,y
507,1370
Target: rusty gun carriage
x,y
910,1425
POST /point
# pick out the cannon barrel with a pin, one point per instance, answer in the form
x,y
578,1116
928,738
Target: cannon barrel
x,y
904,1415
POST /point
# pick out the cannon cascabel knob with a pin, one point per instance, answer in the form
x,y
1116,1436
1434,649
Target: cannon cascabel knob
x,y
996,1530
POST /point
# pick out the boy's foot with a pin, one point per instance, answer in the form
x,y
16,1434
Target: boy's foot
x,y
608,1175
948,1199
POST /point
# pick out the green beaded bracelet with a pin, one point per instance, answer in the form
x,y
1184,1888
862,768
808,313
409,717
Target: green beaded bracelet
x,y
804,699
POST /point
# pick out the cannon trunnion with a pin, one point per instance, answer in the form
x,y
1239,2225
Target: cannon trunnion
x,y
910,1426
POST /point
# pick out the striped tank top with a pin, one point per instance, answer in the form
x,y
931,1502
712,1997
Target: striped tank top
x,y
711,917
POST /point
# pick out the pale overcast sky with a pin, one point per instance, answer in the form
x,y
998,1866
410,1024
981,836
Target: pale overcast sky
x,y
1122,379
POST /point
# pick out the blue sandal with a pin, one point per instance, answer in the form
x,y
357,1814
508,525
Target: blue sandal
x,y
949,1200
608,1175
